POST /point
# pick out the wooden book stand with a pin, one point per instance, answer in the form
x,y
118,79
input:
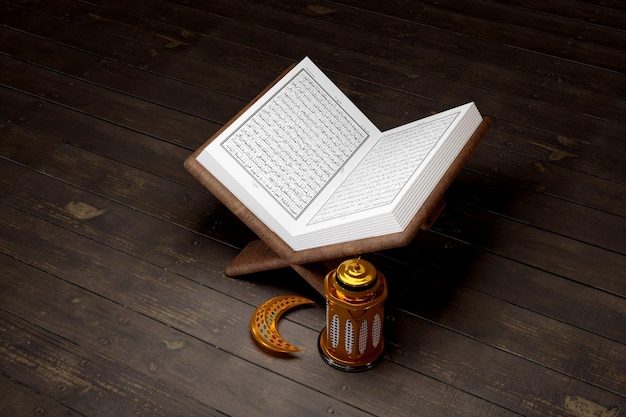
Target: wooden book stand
x,y
271,252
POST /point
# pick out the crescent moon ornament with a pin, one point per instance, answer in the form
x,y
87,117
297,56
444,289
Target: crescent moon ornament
x,y
263,323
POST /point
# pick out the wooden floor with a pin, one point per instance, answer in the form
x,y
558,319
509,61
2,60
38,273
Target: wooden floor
x,y
113,300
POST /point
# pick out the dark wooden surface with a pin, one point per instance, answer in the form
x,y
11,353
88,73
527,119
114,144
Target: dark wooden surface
x,y
113,300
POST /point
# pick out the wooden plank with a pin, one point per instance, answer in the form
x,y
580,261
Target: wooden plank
x,y
607,5
170,335
579,26
482,229
185,252
18,400
168,62
137,115
541,210
52,376
191,100
504,106
55,164
61,238
104,138
491,28
190,207
595,14
379,70
178,211
556,254
484,324
550,343
508,380
398,34
548,178
537,32
429,279
161,353
173,247
30,111
553,148
185,308
153,47
397,41
564,150
553,358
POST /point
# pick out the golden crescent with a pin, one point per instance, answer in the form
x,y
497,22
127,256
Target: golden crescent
x,y
263,323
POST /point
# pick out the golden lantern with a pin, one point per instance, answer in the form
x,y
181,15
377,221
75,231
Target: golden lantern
x,y
353,337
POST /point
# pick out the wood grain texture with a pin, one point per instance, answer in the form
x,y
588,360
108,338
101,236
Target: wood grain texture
x,y
113,297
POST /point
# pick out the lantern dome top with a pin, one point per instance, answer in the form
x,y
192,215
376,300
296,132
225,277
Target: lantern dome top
x,y
356,274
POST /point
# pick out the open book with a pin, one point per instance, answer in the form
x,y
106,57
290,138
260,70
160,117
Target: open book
x,y
316,171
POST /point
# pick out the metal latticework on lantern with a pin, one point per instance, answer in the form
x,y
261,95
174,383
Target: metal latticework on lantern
x,y
353,337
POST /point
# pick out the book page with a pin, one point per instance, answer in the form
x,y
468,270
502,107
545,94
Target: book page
x,y
285,150
295,143
386,169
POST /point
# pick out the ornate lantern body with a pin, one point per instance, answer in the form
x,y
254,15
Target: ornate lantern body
x,y
353,337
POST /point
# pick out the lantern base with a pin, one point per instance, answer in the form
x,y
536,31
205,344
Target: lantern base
x,y
342,364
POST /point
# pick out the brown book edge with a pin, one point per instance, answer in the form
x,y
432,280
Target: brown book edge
x,y
260,258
